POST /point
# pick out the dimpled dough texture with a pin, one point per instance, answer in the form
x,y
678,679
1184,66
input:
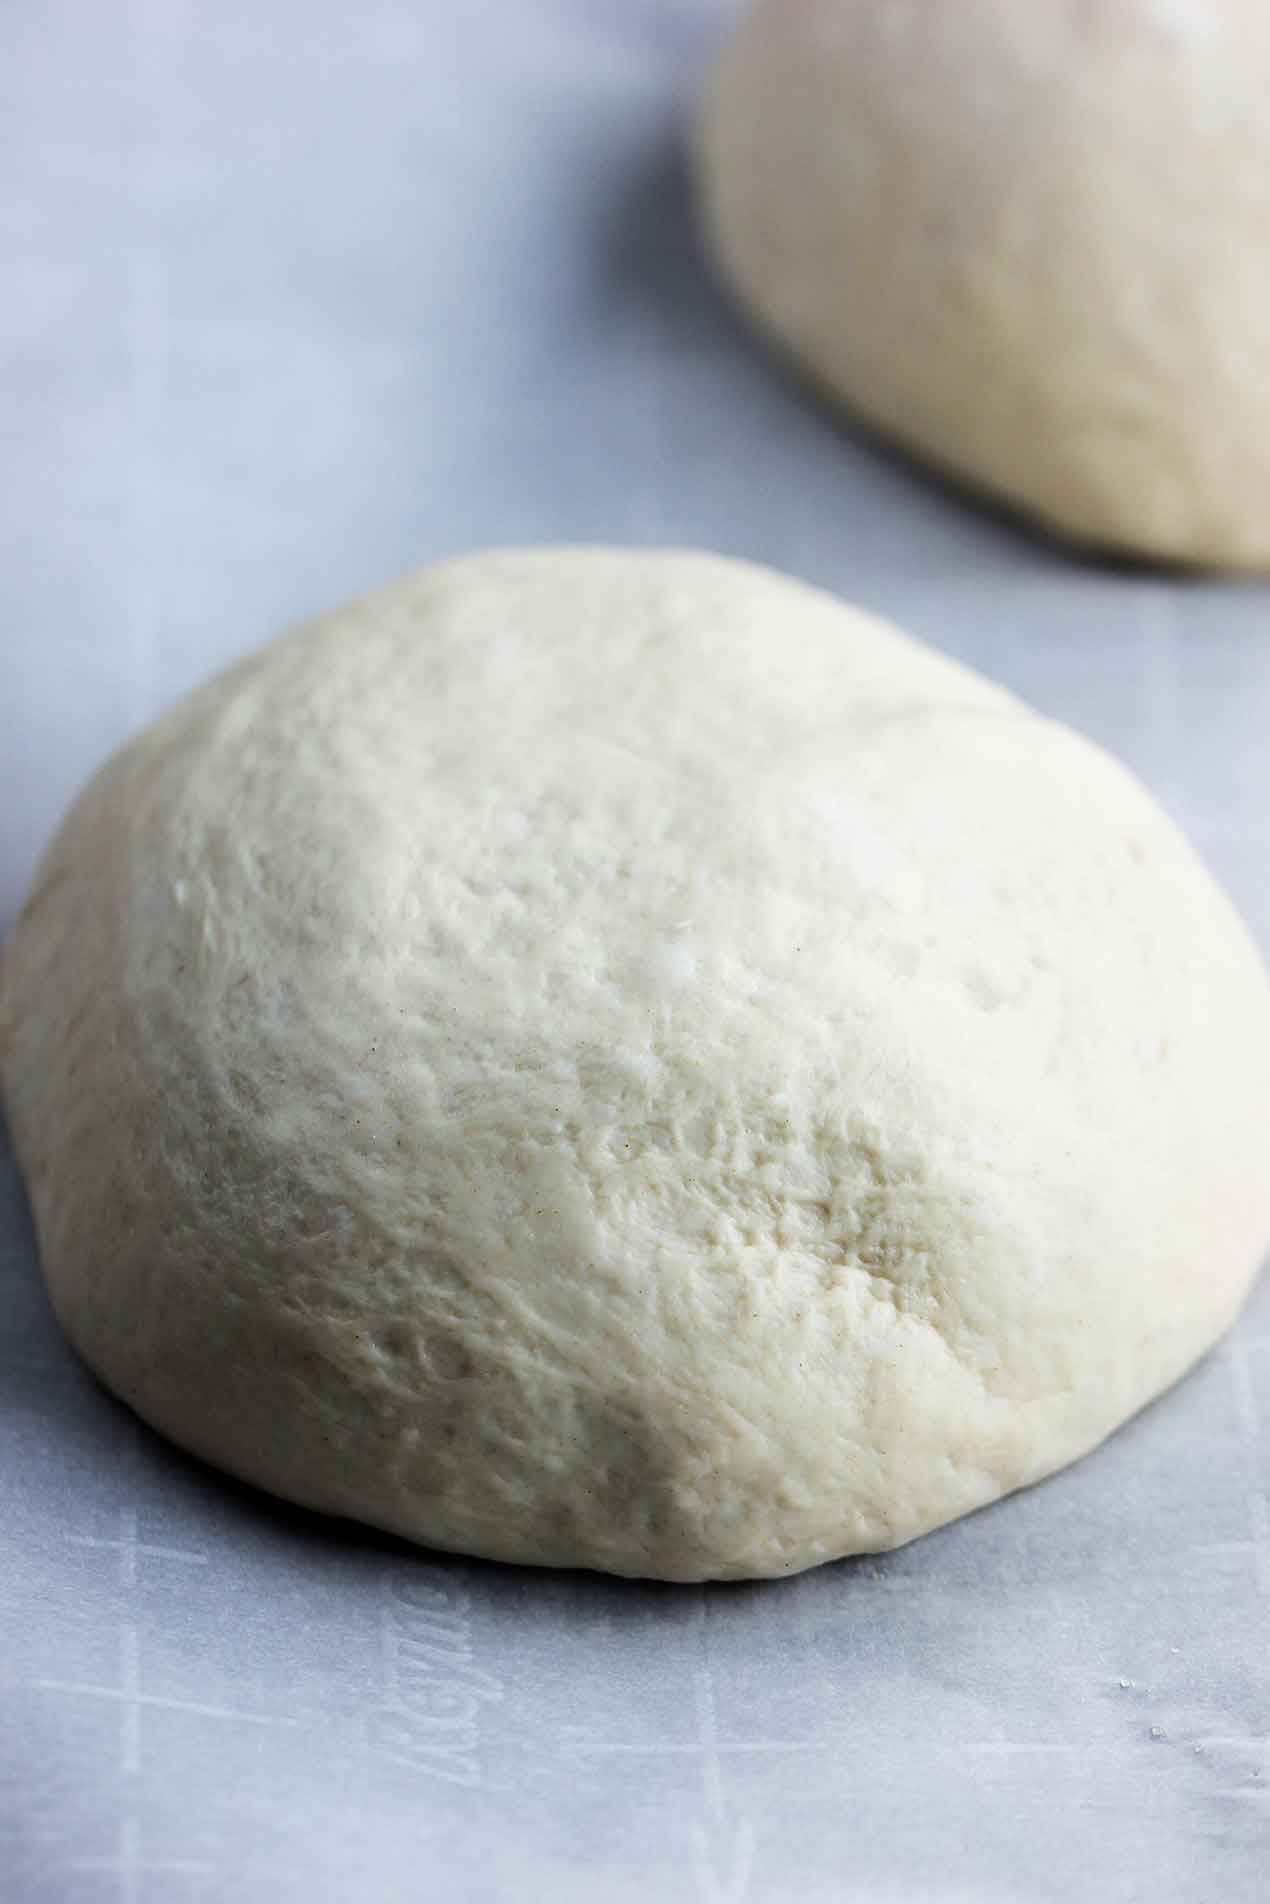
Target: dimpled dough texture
x,y
1025,238
620,1060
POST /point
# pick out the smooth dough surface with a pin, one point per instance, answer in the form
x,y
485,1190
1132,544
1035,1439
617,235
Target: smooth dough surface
x,y
1024,238
618,1059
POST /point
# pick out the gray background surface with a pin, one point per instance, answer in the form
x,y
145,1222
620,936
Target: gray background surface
x,y
300,295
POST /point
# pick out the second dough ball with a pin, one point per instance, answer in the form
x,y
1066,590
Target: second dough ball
x,y
1025,241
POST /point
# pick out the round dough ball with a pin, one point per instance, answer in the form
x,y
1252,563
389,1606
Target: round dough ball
x,y
619,1060
1025,238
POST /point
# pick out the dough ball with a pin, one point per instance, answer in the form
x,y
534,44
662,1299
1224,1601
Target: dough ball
x,y
1024,238
620,1060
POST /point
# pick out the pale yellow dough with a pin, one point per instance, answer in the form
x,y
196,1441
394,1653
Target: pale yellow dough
x,y
1025,238
621,1060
